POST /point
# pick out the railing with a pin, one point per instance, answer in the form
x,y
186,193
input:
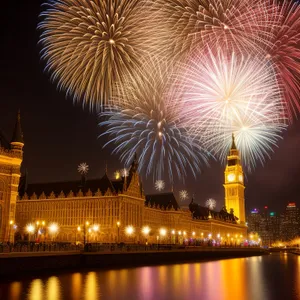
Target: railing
x,y
98,248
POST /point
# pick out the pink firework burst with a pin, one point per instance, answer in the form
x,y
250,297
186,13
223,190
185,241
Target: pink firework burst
x,y
284,51
239,25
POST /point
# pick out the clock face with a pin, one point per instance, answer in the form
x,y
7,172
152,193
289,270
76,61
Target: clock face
x,y
241,178
231,177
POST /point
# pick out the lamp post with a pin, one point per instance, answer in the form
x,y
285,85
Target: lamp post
x,y
78,230
118,225
146,230
84,232
11,222
162,233
95,229
30,229
129,230
53,229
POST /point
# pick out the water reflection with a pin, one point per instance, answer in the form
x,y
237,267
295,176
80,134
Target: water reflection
x,y
15,290
36,290
245,279
53,288
76,279
91,290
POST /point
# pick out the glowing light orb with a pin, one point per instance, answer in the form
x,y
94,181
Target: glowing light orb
x,y
159,185
129,230
83,168
183,195
211,203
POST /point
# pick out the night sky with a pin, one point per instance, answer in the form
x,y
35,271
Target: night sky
x,y
59,135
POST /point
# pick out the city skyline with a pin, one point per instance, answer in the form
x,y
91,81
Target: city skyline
x,y
54,127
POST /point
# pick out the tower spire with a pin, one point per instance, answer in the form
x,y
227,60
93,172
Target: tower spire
x,y
233,146
18,134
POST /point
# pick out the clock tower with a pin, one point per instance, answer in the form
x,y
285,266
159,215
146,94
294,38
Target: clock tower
x,y
234,184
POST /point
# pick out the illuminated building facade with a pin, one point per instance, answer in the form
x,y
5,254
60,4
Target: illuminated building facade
x,y
266,223
100,210
290,222
234,184
11,156
114,205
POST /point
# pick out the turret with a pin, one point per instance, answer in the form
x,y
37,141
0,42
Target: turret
x,y
17,141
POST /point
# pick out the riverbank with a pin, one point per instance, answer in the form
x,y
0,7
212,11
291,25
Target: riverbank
x,y
16,263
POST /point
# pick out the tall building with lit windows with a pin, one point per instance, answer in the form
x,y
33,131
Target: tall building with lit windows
x,y
290,227
11,156
234,184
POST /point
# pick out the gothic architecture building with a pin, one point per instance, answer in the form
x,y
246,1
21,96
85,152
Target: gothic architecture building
x,y
234,184
11,156
100,210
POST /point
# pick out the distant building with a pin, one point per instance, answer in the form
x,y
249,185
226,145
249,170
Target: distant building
x,y
290,227
100,210
254,221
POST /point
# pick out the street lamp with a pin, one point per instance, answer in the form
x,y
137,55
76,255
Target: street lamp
x,y
53,229
129,230
30,229
86,224
118,225
78,230
11,222
146,230
96,228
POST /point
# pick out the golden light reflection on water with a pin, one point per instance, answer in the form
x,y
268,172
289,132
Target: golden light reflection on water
x,y
36,290
241,279
76,285
91,289
15,290
53,288
297,281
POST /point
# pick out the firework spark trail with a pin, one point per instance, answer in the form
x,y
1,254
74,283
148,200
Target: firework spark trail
x,y
146,125
89,44
224,94
284,51
240,26
211,203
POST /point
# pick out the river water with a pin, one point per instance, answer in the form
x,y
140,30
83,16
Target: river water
x,y
276,276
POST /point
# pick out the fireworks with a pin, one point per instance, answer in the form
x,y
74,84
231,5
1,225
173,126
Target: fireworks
x,y
117,175
183,195
229,94
284,51
159,185
147,126
211,203
185,25
83,168
89,44
124,172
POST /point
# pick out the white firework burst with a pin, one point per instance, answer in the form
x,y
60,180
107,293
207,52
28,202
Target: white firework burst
x,y
183,195
83,168
211,203
124,172
159,185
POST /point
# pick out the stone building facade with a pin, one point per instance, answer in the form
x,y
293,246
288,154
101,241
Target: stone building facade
x,y
100,210
113,205
11,156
